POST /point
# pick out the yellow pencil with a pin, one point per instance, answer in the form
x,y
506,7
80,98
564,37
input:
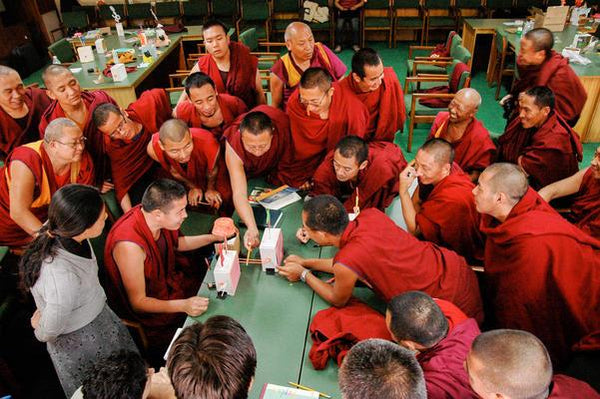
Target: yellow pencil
x,y
309,389
248,257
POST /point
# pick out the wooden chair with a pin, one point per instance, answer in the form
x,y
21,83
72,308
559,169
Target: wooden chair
x,y
225,11
502,7
377,16
137,13
439,15
168,12
63,50
420,113
255,14
105,14
433,64
503,65
266,59
467,9
74,21
408,16
282,13
195,12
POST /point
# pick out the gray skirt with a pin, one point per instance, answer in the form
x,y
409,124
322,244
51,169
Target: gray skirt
x,y
73,353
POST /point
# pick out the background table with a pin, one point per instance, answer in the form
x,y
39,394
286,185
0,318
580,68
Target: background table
x,y
588,126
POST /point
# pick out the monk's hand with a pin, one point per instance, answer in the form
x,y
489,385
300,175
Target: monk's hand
x,y
407,177
291,270
160,386
35,319
505,99
195,196
251,239
306,186
213,198
106,187
195,306
294,259
302,235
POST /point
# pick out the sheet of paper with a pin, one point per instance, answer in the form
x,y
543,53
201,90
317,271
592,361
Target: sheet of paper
x,y
272,391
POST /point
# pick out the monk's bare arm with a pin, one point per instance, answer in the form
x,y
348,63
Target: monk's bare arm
x,y
319,265
276,86
126,203
340,292
130,261
407,179
260,93
189,243
150,151
239,186
564,187
184,96
21,189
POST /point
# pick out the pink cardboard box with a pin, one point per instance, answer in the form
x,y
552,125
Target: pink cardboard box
x,y
227,272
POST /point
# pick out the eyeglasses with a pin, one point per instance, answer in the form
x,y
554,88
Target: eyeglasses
x,y
312,102
119,128
75,144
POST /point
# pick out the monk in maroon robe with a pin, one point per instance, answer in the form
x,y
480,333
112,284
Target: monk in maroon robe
x,y
473,148
585,187
33,173
20,111
126,136
442,209
192,156
153,270
73,103
360,175
230,66
417,322
381,255
515,364
541,272
540,141
539,65
206,108
379,90
320,115
303,53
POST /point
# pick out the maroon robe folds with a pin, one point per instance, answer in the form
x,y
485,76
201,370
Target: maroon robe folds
x,y
474,151
585,210
549,153
543,276
129,160
34,156
448,217
556,74
241,78
564,387
231,107
387,112
12,134
95,139
265,165
391,261
313,137
377,184
168,274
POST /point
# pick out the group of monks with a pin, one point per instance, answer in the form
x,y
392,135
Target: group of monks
x,y
331,136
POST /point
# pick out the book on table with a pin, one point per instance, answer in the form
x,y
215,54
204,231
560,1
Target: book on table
x,y
279,197
272,391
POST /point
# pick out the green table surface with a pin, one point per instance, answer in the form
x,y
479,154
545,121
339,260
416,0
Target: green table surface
x,y
561,40
133,79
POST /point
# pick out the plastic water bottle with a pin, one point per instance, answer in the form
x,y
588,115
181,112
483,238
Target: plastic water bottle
x,y
55,60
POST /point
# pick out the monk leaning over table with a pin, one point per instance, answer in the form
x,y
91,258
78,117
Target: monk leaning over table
x,y
378,88
33,173
20,111
380,254
230,65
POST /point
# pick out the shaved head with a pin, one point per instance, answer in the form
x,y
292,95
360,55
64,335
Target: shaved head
x,y
173,130
541,39
469,97
55,129
5,71
53,71
507,178
316,77
294,28
441,150
509,362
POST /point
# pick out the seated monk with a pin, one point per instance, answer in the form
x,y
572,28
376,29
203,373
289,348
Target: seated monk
x,y
206,108
380,254
33,173
303,53
379,90
153,270
585,186
255,145
20,111
515,364
418,323
73,103
539,65
320,115
540,141
230,65
474,150
191,156
127,134
442,209
360,175
541,272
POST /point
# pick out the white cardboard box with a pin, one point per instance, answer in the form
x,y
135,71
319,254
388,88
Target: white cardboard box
x,y
119,73
86,54
271,249
227,272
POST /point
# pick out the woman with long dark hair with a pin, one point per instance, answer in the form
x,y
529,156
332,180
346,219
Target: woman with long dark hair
x,y
60,270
